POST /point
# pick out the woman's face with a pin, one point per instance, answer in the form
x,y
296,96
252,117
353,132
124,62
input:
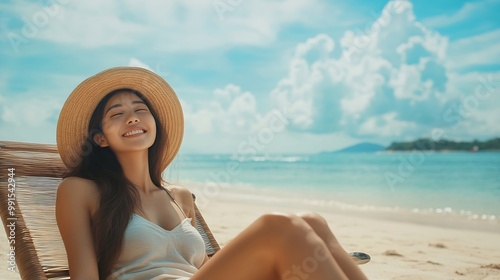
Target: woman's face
x,y
127,124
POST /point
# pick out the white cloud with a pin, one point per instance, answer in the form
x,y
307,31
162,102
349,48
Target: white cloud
x,y
315,49
386,125
231,111
485,124
227,94
310,93
137,63
35,111
27,117
468,10
202,120
482,49
324,94
475,108
407,83
165,25
394,84
478,84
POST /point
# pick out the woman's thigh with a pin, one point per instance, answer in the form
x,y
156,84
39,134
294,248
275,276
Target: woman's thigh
x,y
271,246
248,256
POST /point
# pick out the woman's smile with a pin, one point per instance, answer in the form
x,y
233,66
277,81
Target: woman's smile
x,y
135,132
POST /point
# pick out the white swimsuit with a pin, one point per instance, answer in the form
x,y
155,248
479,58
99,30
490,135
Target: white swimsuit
x,y
151,252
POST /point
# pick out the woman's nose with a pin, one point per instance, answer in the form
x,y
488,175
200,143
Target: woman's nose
x,y
132,119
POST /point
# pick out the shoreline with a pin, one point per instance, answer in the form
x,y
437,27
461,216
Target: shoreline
x,y
440,217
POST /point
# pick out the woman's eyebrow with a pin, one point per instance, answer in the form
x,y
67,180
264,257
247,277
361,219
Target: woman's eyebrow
x,y
120,105
112,107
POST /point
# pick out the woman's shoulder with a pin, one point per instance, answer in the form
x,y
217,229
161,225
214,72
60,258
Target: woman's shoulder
x,y
179,192
78,184
182,195
79,189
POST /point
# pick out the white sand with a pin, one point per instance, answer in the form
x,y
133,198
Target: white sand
x,y
399,250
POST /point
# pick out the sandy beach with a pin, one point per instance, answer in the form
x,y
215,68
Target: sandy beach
x,y
399,250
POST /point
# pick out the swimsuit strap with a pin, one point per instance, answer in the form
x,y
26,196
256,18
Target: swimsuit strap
x,y
173,199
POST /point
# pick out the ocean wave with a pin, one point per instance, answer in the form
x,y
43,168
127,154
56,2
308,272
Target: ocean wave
x,y
243,158
411,214
444,212
269,158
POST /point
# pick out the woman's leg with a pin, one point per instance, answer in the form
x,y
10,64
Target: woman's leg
x,y
276,246
320,226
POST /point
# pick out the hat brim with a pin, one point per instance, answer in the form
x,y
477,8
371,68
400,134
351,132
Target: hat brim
x,y
73,122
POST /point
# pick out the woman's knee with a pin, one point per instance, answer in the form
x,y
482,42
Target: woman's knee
x,y
313,219
321,227
288,233
284,225
278,220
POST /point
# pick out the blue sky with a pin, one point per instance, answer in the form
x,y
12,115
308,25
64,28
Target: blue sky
x,y
276,76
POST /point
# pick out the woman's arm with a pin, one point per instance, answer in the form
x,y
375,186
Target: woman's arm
x,y
73,211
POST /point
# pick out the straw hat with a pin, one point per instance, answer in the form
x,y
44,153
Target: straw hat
x,y
72,126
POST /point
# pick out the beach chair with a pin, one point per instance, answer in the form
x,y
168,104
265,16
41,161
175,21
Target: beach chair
x,y
29,176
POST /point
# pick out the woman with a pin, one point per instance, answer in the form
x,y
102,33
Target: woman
x,y
117,132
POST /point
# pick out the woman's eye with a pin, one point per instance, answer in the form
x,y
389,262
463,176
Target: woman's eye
x,y
116,115
141,110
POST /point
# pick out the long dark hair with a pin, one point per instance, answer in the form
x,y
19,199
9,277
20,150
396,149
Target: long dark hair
x,y
118,196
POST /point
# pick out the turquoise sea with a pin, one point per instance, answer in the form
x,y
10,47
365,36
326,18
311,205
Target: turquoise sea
x,y
461,185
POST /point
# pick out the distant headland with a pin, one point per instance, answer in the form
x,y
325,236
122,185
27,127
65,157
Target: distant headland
x,y
446,145
443,145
